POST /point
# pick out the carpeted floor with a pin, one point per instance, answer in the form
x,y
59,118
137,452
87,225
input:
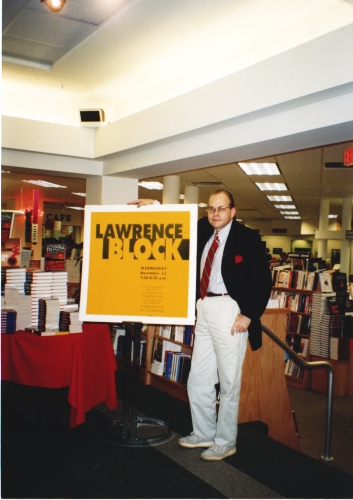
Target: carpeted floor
x,y
41,458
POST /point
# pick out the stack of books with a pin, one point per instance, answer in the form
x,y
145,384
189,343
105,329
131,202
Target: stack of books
x,y
38,285
59,286
24,308
319,308
69,321
14,278
48,317
8,321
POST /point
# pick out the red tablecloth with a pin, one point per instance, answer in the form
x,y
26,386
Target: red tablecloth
x,y
84,362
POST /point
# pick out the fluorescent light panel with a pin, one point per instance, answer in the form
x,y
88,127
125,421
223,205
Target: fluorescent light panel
x,y
260,168
80,194
74,208
331,216
280,198
45,184
286,207
271,186
289,212
292,217
151,185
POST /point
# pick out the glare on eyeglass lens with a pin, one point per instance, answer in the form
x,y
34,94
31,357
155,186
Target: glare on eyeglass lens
x,y
213,210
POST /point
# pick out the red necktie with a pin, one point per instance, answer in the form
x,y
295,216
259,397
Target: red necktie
x,y
205,278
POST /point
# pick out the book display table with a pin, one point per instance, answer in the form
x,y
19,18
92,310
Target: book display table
x,y
84,362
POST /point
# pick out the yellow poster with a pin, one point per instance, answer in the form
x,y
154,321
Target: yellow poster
x,y
139,264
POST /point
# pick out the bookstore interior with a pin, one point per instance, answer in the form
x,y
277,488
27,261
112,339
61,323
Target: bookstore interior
x,y
85,124
41,259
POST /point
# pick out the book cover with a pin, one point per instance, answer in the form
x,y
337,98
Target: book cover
x,y
55,257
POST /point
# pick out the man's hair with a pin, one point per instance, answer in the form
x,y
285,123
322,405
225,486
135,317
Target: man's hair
x,y
228,194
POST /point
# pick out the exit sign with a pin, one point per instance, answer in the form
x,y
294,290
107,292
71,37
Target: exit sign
x,y
348,157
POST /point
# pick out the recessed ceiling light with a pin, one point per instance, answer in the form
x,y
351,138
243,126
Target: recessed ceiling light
x,y
271,186
331,216
285,207
151,185
280,198
80,194
292,217
181,196
260,168
5,172
202,205
289,212
74,208
45,184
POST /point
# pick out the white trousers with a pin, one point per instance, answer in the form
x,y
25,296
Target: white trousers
x,y
217,356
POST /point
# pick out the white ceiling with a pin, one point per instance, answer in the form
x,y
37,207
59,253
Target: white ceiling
x,y
128,55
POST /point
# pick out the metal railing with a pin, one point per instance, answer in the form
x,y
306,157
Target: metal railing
x,y
312,365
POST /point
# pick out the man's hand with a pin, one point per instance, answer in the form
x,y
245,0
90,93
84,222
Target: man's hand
x,y
141,202
241,324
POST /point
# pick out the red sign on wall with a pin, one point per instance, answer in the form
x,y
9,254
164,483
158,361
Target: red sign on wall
x,y
348,157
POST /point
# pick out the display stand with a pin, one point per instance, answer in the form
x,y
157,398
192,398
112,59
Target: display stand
x,y
132,430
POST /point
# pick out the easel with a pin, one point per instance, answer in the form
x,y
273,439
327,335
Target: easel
x,y
124,431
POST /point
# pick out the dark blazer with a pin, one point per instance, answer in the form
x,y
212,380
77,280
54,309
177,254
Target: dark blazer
x,y
245,271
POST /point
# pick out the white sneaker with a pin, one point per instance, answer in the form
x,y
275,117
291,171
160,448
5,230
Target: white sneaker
x,y
193,441
216,452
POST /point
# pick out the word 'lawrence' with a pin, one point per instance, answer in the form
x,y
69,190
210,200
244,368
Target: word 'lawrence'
x,y
144,242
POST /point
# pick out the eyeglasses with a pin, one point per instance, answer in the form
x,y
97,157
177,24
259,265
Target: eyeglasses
x,y
213,210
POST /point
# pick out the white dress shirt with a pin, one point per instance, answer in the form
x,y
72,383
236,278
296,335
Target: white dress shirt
x,y
216,284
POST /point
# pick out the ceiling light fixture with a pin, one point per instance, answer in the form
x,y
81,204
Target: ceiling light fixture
x,y
80,194
289,212
260,168
271,186
74,208
54,5
45,184
286,207
292,217
280,198
332,216
151,185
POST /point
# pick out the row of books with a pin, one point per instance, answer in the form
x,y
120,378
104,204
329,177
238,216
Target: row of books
x,y
300,302
177,366
178,333
299,324
301,346
169,361
320,280
292,369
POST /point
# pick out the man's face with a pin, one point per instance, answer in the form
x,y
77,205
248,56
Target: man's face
x,y
220,219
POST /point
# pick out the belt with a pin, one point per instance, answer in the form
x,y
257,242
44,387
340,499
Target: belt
x,y
211,294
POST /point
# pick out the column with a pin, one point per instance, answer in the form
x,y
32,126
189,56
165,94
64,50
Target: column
x,y
108,190
346,244
191,194
171,189
323,226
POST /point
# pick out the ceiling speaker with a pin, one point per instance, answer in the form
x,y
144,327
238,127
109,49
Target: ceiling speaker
x,y
91,117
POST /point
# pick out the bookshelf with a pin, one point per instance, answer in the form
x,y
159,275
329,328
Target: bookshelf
x,y
173,387
298,324
293,286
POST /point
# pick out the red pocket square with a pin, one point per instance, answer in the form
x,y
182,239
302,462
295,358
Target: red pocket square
x,y
238,258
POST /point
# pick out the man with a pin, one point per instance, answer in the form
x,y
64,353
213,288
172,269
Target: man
x,y
233,286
